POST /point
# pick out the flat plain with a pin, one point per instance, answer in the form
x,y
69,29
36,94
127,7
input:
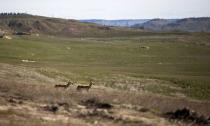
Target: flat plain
x,y
141,77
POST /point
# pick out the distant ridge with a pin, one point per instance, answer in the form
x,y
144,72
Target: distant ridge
x,y
154,24
121,23
187,24
201,24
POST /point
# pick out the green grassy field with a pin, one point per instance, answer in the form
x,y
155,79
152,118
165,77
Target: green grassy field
x,y
181,61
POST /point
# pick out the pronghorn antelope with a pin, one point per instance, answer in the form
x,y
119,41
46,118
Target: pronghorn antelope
x,y
85,87
64,85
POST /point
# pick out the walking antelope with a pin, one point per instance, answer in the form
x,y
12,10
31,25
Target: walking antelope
x,y
64,85
85,87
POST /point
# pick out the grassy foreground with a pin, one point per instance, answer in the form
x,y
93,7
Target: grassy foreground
x,y
169,64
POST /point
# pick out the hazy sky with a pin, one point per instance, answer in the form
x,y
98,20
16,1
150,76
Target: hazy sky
x,y
109,9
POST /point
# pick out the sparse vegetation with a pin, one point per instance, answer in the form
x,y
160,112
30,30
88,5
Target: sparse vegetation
x,y
131,70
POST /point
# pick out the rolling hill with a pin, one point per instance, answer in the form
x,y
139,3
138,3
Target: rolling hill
x,y
154,25
30,24
187,25
201,24
15,23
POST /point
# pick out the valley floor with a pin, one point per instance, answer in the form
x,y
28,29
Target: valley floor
x,y
156,80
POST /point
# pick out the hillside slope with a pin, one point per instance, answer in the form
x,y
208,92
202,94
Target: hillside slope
x,y
190,24
187,24
55,26
155,24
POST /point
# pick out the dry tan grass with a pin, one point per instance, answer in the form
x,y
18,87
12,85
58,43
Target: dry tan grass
x,y
24,95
